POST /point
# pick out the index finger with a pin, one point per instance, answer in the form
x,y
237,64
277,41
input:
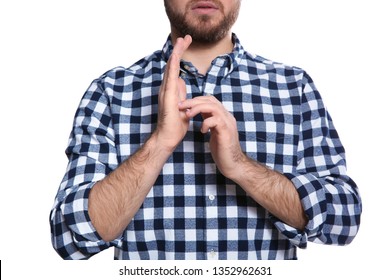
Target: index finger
x,y
173,66
181,45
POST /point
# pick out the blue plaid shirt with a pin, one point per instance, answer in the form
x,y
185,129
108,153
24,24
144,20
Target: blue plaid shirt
x,y
193,211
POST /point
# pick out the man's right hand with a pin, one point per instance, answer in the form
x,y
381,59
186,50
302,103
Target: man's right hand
x,y
172,123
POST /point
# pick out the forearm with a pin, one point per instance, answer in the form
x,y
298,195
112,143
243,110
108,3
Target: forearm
x,y
114,201
272,190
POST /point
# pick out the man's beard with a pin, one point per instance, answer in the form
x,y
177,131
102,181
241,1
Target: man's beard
x,y
201,29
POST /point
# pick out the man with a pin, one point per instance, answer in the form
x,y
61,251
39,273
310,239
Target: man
x,y
203,151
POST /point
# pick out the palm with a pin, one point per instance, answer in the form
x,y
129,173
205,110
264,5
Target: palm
x,y
172,122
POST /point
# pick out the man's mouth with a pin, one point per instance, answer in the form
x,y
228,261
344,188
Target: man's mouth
x,y
204,7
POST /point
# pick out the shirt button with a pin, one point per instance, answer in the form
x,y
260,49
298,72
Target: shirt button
x,y
211,197
212,253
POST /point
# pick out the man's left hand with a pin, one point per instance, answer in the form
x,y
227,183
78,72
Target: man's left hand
x,y
224,142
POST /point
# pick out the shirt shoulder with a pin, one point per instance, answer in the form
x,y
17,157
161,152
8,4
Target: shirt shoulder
x,y
270,66
143,70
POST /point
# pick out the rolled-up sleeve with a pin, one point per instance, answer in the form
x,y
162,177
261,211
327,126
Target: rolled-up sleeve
x,y
330,198
92,155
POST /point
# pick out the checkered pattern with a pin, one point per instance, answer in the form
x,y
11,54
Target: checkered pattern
x,y
192,211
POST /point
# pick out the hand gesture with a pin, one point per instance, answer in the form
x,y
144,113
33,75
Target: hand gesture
x,y
172,123
224,142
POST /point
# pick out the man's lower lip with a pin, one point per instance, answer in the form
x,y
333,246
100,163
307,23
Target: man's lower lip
x,y
205,11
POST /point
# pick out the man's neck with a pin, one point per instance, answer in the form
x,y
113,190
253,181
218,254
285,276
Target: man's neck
x,y
201,55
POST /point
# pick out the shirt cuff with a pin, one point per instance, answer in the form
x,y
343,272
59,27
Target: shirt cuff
x,y
77,219
313,199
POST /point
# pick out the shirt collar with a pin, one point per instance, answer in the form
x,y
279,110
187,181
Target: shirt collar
x,y
233,58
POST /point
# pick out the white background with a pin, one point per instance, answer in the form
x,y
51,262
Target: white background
x,y
50,51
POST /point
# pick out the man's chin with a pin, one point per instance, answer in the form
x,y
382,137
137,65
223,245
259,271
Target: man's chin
x,y
205,32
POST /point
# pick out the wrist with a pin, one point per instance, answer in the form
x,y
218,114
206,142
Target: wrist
x,y
237,170
246,169
162,143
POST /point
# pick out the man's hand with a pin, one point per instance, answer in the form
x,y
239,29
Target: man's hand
x,y
172,123
224,142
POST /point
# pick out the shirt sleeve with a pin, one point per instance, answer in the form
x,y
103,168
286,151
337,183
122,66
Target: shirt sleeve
x,y
92,155
330,198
